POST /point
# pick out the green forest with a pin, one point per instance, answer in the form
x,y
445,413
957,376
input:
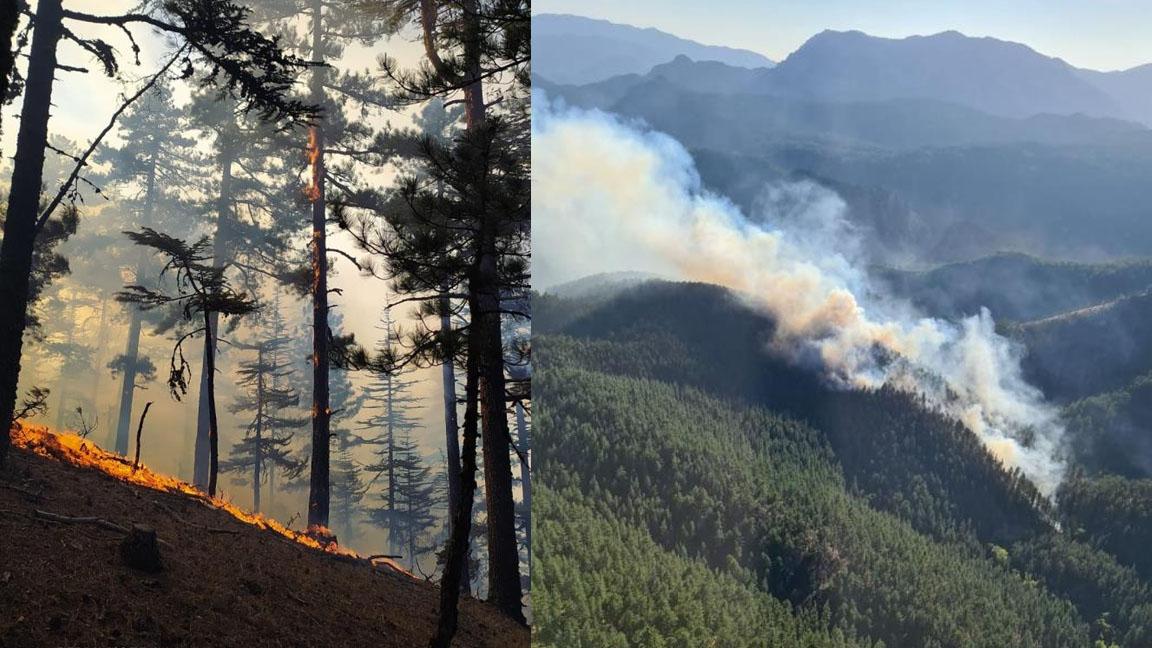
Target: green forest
x,y
695,493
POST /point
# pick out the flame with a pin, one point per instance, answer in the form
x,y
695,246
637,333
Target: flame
x,y
72,449
313,189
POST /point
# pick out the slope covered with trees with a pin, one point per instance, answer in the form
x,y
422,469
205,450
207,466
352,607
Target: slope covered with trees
x,y
870,518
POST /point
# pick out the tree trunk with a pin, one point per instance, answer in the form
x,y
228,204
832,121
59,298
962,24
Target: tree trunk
x,y
319,491
65,377
259,458
221,255
451,429
132,351
503,555
128,384
23,208
213,431
393,537
458,541
524,436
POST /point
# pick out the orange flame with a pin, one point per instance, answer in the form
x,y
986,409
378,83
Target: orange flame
x,y
72,449
313,189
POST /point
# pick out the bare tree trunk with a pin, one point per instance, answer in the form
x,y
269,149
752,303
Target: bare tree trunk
x,y
23,208
259,459
221,255
128,383
65,377
213,431
451,431
319,491
524,436
462,524
132,350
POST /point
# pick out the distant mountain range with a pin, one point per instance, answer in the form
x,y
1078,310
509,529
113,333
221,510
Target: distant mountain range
x,y
944,147
575,50
999,78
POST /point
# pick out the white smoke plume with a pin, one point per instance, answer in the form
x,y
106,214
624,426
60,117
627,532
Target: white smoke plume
x,y
610,196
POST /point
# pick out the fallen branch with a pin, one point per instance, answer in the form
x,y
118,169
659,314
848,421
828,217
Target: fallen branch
x,y
382,556
100,522
139,431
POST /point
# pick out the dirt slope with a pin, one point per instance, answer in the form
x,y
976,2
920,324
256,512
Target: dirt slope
x,y
225,582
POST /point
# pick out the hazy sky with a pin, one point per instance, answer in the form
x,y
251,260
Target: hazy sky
x,y
1102,35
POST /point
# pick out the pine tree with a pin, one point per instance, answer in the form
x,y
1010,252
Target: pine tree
x,y
152,165
253,189
329,28
413,517
483,202
201,290
391,403
269,399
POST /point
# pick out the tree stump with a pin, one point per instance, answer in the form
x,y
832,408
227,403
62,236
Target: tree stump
x,y
140,549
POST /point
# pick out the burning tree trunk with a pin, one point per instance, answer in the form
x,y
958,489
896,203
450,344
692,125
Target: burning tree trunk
x,y
319,492
23,202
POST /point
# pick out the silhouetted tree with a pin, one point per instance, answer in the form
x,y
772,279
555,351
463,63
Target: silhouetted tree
x,y
213,35
152,165
391,403
268,399
201,290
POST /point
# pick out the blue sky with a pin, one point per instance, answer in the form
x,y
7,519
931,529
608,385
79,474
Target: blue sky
x,y
1102,35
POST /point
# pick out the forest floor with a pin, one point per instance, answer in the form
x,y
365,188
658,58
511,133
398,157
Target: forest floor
x,y
224,582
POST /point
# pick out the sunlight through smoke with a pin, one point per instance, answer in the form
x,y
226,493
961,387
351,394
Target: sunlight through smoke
x,y
611,196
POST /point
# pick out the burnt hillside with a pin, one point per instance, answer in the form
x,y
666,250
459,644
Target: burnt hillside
x,y
225,581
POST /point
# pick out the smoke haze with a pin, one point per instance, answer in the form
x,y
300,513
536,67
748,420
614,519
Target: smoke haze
x,y
614,196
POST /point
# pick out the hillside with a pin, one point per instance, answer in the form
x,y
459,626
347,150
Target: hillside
x,y
226,580
821,517
1090,350
1016,286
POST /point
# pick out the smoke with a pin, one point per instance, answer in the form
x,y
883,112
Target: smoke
x,y
613,196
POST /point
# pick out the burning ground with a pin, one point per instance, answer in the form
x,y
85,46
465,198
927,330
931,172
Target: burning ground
x,y
229,578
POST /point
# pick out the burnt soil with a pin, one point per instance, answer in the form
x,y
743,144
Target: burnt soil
x,y
64,584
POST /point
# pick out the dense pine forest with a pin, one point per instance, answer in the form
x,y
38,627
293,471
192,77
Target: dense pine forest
x,y
278,250
822,516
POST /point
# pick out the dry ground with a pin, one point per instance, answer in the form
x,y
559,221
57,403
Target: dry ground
x,y
224,583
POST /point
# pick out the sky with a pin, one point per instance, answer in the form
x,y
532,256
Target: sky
x,y
1102,35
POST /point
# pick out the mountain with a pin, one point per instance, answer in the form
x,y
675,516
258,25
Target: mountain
x,y
696,490
1016,286
1096,349
994,76
576,50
